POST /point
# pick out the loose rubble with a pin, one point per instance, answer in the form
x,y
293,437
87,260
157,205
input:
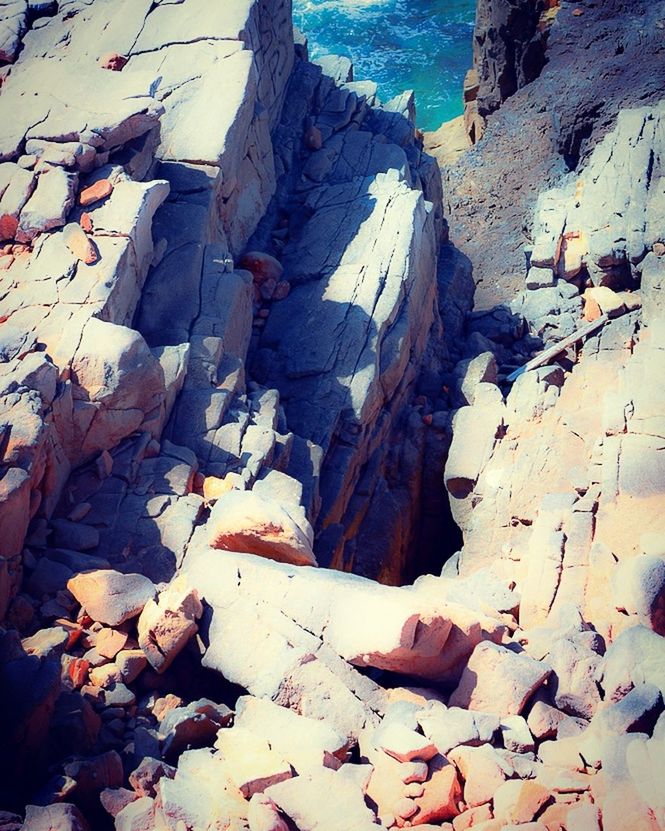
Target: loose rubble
x,y
235,361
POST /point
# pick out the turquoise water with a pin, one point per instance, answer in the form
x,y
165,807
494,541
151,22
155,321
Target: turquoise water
x,y
424,45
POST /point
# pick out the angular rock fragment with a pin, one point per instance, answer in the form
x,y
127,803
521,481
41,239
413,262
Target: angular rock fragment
x,y
167,623
497,680
111,597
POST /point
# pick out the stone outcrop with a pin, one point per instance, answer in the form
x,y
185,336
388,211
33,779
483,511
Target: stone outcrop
x,y
243,388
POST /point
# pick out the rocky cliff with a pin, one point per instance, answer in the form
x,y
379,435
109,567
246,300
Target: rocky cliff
x,y
244,393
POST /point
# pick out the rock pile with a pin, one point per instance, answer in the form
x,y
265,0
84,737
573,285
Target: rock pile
x,y
203,465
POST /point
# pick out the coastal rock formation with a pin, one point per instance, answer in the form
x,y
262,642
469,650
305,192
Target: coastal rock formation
x,y
244,390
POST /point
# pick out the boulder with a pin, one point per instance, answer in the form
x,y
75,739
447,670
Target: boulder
x,y
314,802
62,817
498,680
109,596
242,521
639,589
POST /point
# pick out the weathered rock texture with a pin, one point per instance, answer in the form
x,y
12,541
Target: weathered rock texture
x,y
546,127
196,454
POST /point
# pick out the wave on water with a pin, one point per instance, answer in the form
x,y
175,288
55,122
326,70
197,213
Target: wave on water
x,y
424,45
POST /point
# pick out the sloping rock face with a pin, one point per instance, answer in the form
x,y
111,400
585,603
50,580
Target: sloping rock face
x,y
145,129
562,110
569,482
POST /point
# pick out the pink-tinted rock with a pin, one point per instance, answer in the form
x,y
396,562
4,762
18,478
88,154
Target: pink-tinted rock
x,y
109,596
245,522
262,266
113,61
93,193
166,624
81,246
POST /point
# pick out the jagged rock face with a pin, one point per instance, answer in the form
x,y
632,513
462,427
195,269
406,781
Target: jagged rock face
x,y
159,134
557,120
564,477
508,49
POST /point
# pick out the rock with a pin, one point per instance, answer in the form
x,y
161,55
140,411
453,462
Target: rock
x,y
450,727
138,815
46,642
81,246
73,535
49,205
48,577
146,777
115,799
639,589
637,656
130,663
312,802
305,743
263,815
608,301
113,61
518,801
111,597
498,680
253,765
572,683
94,774
108,642
403,744
262,266
214,487
94,193
441,794
636,712
17,192
543,720
516,734
483,771
167,623
245,522
194,725
62,817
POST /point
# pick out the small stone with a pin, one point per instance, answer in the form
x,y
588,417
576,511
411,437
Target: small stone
x,y
131,663
78,672
113,61
405,808
262,266
95,192
145,778
314,138
85,222
267,288
115,799
658,248
46,642
214,487
403,744
105,675
109,642
282,290
79,244
119,695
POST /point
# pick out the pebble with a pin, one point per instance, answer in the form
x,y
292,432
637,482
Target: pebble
x,y
93,193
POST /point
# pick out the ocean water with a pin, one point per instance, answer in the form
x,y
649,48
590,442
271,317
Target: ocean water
x,y
424,45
